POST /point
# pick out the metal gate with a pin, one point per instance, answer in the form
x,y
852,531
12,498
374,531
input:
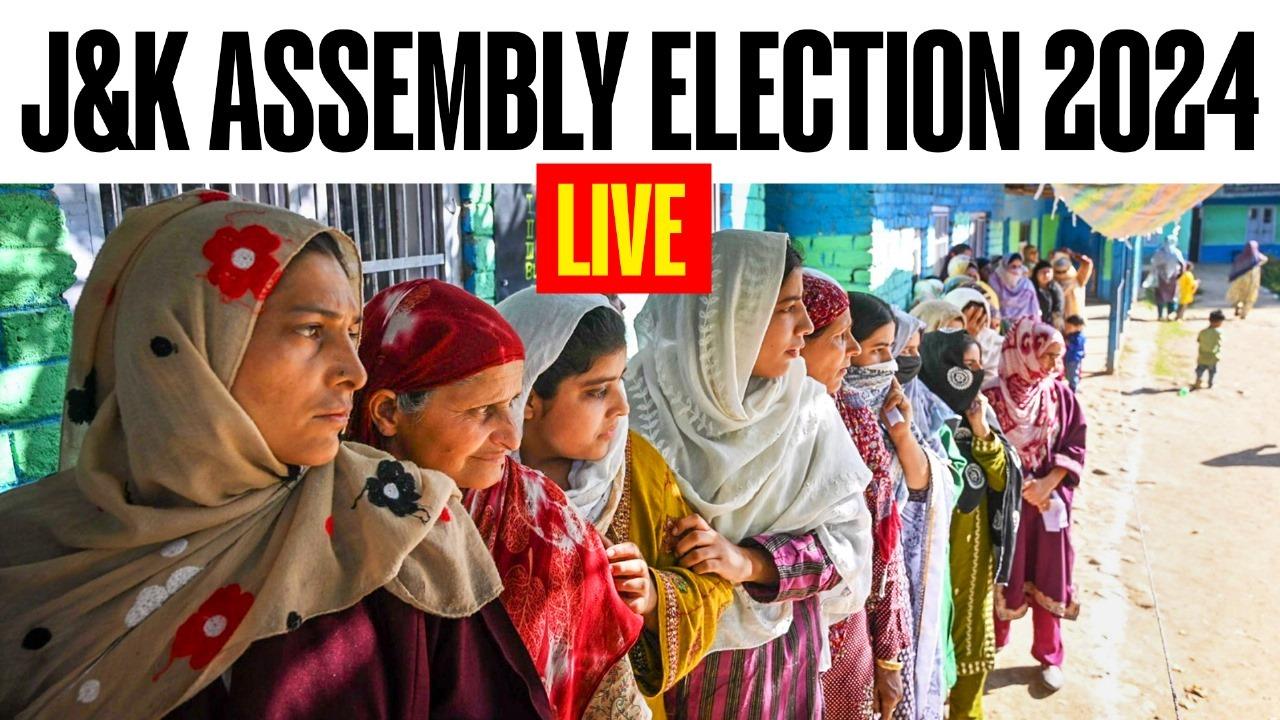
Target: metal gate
x,y
404,231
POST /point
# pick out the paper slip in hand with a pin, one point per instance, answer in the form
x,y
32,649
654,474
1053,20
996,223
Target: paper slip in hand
x,y
1055,518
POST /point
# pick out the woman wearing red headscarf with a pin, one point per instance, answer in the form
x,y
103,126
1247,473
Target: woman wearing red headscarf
x,y
444,369
1046,425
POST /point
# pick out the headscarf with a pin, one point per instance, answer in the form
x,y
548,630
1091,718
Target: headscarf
x,y
1167,263
1016,292
928,412
751,455
824,299
1024,400
958,266
926,289
138,575
944,372
557,585
905,327
424,334
545,324
1245,260
936,313
961,297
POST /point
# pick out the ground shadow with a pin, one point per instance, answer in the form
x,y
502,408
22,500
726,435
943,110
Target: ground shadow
x,y
1253,457
1150,391
1028,675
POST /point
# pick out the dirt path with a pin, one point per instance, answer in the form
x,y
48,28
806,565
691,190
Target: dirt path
x,y
1176,530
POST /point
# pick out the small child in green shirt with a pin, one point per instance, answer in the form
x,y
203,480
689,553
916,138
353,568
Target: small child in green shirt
x,y
1210,342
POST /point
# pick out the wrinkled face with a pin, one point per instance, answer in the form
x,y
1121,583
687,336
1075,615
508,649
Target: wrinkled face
x,y
465,430
784,338
1044,276
827,353
581,419
1051,356
300,368
973,357
877,347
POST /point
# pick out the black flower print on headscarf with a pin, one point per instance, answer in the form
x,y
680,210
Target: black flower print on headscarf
x,y
394,489
82,404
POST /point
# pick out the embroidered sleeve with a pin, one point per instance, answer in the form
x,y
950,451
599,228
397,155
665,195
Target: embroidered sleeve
x,y
990,456
803,567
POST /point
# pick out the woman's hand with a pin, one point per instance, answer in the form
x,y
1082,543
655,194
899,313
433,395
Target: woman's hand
x,y
888,691
977,417
703,550
975,319
631,578
1038,491
896,399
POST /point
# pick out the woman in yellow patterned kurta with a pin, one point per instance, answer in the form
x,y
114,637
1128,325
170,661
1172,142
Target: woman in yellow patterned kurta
x,y
575,432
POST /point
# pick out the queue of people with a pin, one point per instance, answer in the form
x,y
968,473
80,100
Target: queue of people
x,y
280,501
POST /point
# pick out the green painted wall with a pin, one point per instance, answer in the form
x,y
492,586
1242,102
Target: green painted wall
x,y
1226,224
35,331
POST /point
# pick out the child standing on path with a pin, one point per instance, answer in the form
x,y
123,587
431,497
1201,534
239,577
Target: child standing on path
x,y
1187,286
1074,355
1210,341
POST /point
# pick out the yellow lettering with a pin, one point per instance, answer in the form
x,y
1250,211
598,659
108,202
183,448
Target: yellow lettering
x,y
631,237
599,229
567,265
663,228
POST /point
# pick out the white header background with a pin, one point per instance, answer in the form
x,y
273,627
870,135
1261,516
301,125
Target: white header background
x,y
24,66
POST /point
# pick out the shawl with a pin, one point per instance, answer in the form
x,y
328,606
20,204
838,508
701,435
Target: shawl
x,y
752,455
927,289
545,323
936,313
1024,400
140,573
558,588
1167,263
1247,259
1017,293
958,266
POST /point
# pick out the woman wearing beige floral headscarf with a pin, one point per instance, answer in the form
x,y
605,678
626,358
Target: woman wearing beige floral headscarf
x,y
212,531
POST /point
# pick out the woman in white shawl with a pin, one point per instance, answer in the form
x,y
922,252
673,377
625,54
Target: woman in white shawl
x,y
762,455
572,415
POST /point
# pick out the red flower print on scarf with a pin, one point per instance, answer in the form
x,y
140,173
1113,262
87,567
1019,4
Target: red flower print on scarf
x,y
242,260
202,636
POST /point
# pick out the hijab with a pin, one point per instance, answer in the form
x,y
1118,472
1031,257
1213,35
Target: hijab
x,y
927,289
139,574
1167,263
546,323
943,371
936,313
958,266
1024,400
824,299
1017,293
1247,259
905,327
751,455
